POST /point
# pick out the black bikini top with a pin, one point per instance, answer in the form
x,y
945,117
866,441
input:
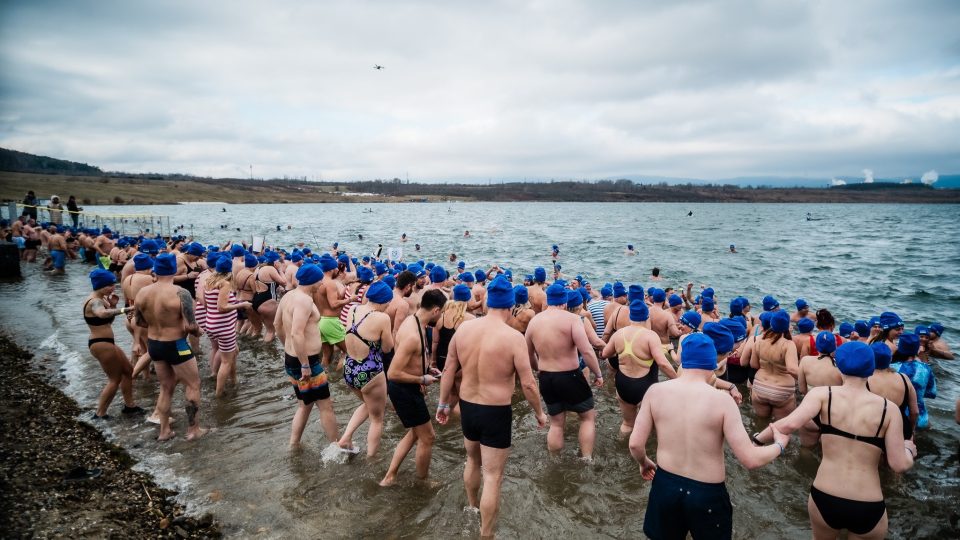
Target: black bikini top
x,y
96,321
827,429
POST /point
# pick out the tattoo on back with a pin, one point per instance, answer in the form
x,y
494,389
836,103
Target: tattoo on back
x,y
186,305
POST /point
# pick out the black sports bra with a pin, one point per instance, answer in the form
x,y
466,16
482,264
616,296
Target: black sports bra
x,y
96,321
827,429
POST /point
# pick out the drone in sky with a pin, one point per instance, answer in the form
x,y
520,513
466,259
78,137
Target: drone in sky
x,y
377,67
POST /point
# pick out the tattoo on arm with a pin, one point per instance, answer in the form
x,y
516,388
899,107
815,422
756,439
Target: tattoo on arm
x,y
186,306
138,315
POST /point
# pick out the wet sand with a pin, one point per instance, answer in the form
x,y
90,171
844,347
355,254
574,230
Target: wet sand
x,y
43,441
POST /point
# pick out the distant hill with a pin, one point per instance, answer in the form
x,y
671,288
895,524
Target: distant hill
x,y
14,161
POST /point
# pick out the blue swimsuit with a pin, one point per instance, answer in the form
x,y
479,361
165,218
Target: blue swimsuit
x,y
924,381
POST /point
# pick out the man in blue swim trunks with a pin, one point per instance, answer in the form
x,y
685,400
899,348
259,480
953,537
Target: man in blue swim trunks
x,y
492,356
692,421
57,245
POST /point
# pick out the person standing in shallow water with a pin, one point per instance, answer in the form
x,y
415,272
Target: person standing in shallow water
x,y
409,373
296,324
490,356
166,311
692,421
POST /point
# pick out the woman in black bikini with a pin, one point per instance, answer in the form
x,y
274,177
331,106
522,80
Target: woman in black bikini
x,y
857,428
268,285
99,310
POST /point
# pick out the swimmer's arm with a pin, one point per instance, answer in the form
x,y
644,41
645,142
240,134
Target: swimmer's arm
x,y
279,278
610,349
298,331
386,336
99,310
449,371
186,308
939,351
333,299
748,357
138,319
750,456
531,350
672,329
402,311
436,344
586,349
899,460
808,408
595,340
528,383
660,358
278,326
912,403
801,379
641,429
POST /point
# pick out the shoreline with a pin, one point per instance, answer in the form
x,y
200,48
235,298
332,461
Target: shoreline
x,y
44,441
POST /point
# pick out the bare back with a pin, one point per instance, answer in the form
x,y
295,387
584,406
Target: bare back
x,y
490,354
159,306
298,316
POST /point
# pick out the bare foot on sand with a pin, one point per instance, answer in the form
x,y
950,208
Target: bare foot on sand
x,y
196,434
167,437
388,480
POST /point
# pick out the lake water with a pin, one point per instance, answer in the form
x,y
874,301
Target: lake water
x,y
857,260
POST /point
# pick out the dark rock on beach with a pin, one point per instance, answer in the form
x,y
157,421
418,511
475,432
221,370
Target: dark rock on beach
x,y
61,479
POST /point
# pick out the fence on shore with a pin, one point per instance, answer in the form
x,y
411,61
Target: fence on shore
x,y
123,224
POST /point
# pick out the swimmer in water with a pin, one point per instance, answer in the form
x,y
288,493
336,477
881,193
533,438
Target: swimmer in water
x,y
297,327
166,311
671,408
407,376
555,252
629,250
99,311
846,493
403,237
655,274
491,356
639,358
466,234
733,248
554,337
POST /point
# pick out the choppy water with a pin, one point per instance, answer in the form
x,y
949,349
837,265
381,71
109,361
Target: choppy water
x,y
858,260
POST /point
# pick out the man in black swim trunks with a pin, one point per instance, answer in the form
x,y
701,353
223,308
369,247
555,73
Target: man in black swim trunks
x,y
693,421
490,355
554,336
166,311
406,378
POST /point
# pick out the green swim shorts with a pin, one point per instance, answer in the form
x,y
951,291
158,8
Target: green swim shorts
x,y
331,330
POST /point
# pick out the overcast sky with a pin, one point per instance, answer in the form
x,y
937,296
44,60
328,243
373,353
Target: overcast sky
x,y
477,90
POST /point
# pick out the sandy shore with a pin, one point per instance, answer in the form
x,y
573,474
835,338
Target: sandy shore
x,y
43,442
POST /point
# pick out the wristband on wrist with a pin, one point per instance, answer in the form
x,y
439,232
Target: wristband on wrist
x,y
909,451
756,439
305,367
442,406
780,445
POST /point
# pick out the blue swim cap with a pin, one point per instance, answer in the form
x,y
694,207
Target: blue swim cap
x,y
639,311
379,293
937,328
308,274
889,319
765,319
539,274
736,306
364,275
461,265
707,305
224,265
142,261
675,300
721,336
780,322
461,293
855,359
908,345
737,328
327,263
630,247
770,303
708,292
380,269
862,328
466,277
366,258
430,266
556,295
573,299
635,293
237,250
805,325
826,342
691,319
165,264
619,290
480,275
698,352
882,356
921,330
845,329
802,304
521,296
390,281
271,257
606,291
659,296
500,294
344,259
100,278
194,250
584,294
874,321
438,274
249,261
296,257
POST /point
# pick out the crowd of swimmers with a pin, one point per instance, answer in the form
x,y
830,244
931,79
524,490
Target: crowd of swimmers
x,y
394,328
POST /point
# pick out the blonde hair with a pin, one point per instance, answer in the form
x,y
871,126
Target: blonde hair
x,y
458,309
216,280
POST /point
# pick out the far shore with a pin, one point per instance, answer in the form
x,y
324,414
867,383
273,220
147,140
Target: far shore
x,y
115,190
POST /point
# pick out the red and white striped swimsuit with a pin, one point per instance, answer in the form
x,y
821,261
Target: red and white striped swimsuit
x,y
361,290
221,327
